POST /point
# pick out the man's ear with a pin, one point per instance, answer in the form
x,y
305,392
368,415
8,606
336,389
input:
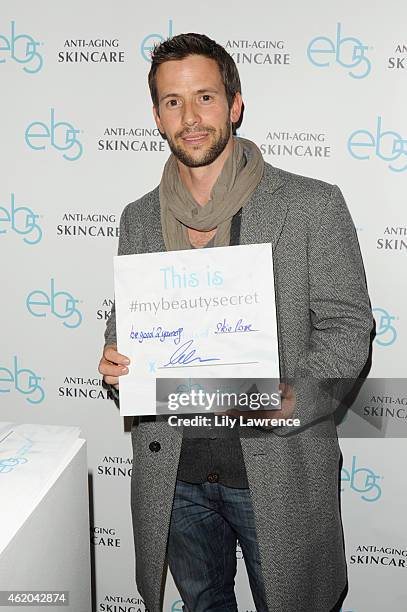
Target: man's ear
x,y
158,122
157,118
236,108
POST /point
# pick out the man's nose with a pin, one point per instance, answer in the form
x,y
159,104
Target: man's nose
x,y
191,115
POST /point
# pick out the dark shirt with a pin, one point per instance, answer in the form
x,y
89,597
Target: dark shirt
x,y
212,453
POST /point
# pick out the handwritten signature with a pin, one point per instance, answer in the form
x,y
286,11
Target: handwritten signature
x,y
156,332
224,327
184,356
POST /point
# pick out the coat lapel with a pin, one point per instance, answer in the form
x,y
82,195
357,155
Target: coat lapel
x,y
264,214
155,242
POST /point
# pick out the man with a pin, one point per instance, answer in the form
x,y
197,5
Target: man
x,y
275,490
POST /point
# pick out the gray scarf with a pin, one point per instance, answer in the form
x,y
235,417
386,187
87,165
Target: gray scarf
x,y
232,190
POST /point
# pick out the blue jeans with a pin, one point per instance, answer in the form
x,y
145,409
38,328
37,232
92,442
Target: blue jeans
x,y
206,521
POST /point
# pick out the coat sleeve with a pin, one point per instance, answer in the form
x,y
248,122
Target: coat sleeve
x,y
124,249
340,314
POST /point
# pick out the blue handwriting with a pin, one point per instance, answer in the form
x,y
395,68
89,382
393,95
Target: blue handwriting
x,y
182,356
156,332
225,327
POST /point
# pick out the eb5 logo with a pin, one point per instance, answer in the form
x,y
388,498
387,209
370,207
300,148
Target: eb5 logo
x,y
22,380
386,333
389,146
61,135
22,48
348,52
362,480
60,303
148,42
22,221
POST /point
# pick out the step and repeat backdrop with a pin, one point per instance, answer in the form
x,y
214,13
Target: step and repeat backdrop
x,y
324,86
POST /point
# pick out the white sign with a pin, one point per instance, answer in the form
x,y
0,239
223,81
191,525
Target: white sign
x,y
208,313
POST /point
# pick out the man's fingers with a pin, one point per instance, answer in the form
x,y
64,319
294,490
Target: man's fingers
x,y
110,369
112,365
111,354
283,388
286,390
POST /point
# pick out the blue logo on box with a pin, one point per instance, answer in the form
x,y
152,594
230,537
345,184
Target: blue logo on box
x,y
22,380
387,145
348,52
386,333
149,41
59,303
8,464
362,480
60,135
21,220
177,606
22,48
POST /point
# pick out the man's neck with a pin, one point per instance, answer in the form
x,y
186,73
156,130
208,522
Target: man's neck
x,y
200,181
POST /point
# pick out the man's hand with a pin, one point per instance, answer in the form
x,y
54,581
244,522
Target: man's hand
x,y
112,365
286,411
288,400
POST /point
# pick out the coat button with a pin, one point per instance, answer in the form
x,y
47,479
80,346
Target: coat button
x,y
154,446
212,477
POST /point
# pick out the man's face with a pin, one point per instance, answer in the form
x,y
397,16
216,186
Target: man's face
x,y
193,110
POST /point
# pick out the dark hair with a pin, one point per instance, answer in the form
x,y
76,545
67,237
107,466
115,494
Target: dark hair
x,y
181,46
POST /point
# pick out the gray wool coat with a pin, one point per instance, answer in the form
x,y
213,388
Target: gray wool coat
x,y
324,326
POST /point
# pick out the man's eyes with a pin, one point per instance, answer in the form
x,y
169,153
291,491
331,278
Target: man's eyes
x,y
175,102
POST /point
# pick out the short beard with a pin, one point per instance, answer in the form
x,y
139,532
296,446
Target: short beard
x,y
209,156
